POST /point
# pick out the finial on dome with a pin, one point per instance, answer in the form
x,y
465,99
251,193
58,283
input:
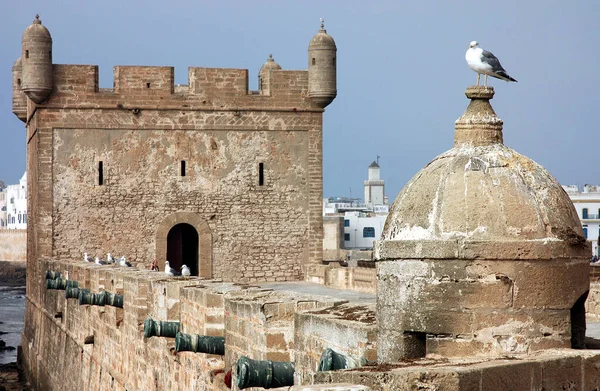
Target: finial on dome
x,y
479,125
322,24
37,19
270,57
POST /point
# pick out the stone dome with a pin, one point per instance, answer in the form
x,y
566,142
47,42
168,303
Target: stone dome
x,y
481,190
322,40
270,65
36,32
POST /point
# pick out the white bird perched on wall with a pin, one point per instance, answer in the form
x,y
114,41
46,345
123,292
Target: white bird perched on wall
x,y
185,271
485,63
123,262
169,271
109,258
87,258
98,261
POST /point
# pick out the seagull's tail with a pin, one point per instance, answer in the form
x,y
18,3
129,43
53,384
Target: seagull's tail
x,y
505,76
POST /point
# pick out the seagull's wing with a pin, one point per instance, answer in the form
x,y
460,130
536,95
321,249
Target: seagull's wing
x,y
491,60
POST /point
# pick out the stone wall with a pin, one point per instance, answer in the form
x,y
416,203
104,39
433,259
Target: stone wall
x,y
256,322
13,245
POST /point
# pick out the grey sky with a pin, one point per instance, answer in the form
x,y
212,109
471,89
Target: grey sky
x,y
401,70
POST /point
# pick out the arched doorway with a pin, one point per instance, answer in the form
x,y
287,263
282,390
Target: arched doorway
x,y
182,247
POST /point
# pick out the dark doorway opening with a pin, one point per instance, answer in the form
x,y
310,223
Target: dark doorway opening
x,y
182,247
578,323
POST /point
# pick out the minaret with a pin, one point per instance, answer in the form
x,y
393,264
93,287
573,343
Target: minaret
x,y
264,75
374,186
322,81
36,61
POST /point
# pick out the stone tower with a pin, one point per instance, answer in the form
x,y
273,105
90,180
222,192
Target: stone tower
x,y
482,253
264,75
36,61
322,79
374,186
19,100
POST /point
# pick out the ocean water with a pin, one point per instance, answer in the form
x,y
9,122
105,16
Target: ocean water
x,y
12,311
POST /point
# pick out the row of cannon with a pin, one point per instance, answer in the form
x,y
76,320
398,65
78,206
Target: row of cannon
x,y
250,373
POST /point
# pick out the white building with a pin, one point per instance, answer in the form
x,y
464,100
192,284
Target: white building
x,y
16,204
363,221
587,204
2,209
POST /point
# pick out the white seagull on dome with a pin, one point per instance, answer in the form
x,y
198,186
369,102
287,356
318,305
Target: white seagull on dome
x,y
109,258
99,261
485,63
87,258
185,271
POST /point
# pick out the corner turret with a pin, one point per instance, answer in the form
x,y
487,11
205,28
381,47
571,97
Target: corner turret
x,y
36,61
322,83
264,75
19,100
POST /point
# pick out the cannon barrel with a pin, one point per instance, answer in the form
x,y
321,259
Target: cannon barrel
x,y
114,300
332,361
200,344
57,283
87,297
265,374
72,292
159,328
52,275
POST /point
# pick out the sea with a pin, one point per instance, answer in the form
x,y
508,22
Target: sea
x,y
12,312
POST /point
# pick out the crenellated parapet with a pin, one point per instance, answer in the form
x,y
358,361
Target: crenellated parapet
x,y
207,89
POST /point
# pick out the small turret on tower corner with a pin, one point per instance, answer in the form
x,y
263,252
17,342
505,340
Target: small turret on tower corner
x,y
264,75
322,79
36,61
19,100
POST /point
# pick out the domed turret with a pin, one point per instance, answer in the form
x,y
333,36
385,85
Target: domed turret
x,y
322,79
481,253
19,100
264,75
36,60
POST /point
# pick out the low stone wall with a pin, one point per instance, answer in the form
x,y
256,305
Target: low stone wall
x,y
71,346
13,245
360,279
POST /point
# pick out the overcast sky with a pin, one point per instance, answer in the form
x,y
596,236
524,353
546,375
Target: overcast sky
x,y
401,70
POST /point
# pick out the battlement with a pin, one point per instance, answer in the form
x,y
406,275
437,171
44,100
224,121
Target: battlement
x,y
208,87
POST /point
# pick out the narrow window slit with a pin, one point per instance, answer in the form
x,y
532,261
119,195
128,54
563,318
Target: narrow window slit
x,y
183,168
26,53
100,173
314,61
147,85
261,174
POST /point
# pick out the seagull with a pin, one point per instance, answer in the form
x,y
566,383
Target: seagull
x,y
87,258
170,271
485,63
109,258
123,262
185,271
98,261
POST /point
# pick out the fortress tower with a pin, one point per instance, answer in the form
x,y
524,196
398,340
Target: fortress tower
x,y
226,180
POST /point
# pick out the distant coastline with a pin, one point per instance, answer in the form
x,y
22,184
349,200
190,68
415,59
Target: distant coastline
x,y
12,273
